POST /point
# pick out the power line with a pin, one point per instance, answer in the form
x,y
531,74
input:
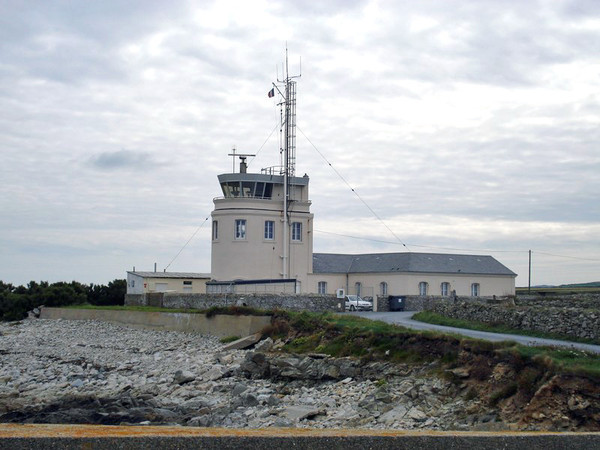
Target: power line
x,y
352,189
489,250
566,256
185,245
422,246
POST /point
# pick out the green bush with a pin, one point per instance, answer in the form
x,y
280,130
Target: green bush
x,y
16,301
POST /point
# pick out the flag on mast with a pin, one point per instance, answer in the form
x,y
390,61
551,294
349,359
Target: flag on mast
x,y
271,93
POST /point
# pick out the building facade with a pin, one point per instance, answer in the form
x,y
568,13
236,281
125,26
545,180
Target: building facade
x,y
150,282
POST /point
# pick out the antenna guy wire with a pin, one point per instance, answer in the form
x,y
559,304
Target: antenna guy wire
x,y
185,245
352,189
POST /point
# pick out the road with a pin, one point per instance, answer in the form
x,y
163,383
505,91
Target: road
x,y
404,318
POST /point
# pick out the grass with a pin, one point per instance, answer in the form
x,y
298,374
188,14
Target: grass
x,y
228,339
438,319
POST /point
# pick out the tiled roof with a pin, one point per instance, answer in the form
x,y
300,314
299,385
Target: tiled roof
x,y
408,262
170,274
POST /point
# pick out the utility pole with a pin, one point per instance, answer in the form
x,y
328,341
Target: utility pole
x,y
529,285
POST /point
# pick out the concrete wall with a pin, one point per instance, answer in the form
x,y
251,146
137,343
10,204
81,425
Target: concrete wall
x,y
292,302
219,325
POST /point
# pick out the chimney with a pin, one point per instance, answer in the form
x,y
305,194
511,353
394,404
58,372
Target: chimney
x,y
155,267
243,165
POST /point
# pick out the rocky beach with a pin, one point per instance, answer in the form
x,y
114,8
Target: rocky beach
x,y
59,371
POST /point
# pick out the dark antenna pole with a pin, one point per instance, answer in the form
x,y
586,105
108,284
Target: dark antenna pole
x,y
529,285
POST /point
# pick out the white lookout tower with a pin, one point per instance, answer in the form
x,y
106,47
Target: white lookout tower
x,y
262,226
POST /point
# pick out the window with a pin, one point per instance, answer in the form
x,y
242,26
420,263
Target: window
x,y
357,287
322,288
445,288
383,288
296,231
215,230
187,283
240,228
475,290
269,230
423,288
132,283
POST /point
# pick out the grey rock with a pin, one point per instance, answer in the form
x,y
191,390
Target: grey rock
x,y
265,345
183,376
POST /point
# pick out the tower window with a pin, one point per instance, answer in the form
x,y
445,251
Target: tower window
x,y
296,231
240,228
269,230
215,230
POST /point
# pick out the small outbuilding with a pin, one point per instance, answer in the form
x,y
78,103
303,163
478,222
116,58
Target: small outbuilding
x,y
182,282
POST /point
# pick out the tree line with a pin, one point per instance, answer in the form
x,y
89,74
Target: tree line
x,y
16,301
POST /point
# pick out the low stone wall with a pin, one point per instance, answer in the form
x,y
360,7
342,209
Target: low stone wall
x,y
291,302
425,302
219,325
585,300
568,321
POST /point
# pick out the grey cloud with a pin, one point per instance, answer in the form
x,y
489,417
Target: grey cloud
x,y
122,159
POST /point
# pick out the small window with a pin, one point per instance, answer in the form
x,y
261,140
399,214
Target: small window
x,y
445,288
269,230
296,231
383,288
423,288
475,290
187,283
322,287
215,230
358,287
240,228
132,283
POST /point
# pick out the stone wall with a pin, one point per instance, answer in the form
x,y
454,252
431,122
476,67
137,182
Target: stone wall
x,y
291,302
567,319
423,302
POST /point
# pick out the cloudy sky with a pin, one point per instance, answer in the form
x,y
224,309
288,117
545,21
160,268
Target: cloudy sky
x,y
467,126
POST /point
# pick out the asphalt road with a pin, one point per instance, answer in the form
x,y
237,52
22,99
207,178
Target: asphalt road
x,y
404,318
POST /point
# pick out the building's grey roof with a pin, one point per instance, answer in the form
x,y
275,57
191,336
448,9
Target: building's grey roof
x,y
408,262
170,274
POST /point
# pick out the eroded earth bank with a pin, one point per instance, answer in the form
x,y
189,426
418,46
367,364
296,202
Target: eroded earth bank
x,y
58,371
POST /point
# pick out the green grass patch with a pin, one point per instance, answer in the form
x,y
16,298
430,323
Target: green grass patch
x,y
438,319
228,339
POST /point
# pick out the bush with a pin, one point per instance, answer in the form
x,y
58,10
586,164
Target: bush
x,y
16,301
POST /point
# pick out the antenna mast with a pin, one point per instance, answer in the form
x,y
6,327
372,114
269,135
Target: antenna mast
x,y
289,153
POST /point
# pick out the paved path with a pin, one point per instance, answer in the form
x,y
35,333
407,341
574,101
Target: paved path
x,y
404,318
